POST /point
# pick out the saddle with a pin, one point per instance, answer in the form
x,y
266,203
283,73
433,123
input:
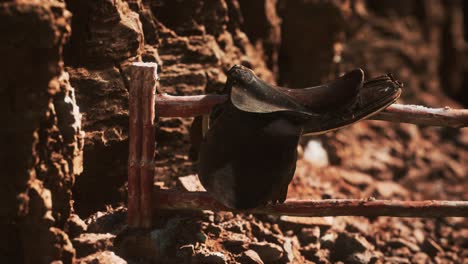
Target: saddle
x,y
248,156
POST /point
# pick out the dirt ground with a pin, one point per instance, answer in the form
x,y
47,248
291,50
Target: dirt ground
x,y
64,194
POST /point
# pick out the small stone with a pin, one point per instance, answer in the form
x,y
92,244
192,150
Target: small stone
x,y
290,246
431,247
398,260
390,189
310,250
359,258
101,257
321,257
212,258
402,252
250,257
309,235
400,242
223,216
150,54
328,240
191,183
214,229
267,251
89,243
296,222
75,226
107,222
357,225
234,239
347,244
356,178
420,258
208,215
419,235
234,226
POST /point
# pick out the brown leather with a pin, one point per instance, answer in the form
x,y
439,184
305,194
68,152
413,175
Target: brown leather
x,y
248,159
248,156
375,95
251,94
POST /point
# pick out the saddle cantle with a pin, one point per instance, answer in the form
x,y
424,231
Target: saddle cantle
x,y
248,156
375,95
251,94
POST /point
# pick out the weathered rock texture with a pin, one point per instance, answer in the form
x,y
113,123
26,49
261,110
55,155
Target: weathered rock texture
x,y
41,138
106,36
306,43
297,43
195,43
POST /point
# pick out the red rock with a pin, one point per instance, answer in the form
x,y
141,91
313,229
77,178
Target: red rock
x,y
310,250
294,222
431,247
89,243
268,252
362,258
191,183
328,240
400,242
388,190
250,257
212,257
41,133
75,226
291,250
347,245
104,257
234,239
309,235
420,258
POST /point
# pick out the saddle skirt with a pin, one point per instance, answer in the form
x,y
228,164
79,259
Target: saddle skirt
x,y
248,156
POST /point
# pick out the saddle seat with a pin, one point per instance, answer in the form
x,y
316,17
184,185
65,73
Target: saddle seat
x,y
251,94
247,158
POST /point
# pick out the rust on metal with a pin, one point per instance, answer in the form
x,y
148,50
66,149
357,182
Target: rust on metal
x,y
143,81
196,105
134,154
186,106
182,200
144,199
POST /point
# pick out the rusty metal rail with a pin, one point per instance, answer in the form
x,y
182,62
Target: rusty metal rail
x,y
195,105
182,200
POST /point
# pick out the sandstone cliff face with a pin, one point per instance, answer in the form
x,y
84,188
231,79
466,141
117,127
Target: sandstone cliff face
x,y
41,137
195,43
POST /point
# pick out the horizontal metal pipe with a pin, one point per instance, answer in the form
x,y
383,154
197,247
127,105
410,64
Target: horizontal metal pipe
x,y
196,105
182,200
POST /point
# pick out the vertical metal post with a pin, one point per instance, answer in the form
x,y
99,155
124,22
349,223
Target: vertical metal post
x,y
143,81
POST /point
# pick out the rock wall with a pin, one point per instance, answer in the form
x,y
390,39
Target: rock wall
x,y
298,43
48,140
195,43
420,42
41,138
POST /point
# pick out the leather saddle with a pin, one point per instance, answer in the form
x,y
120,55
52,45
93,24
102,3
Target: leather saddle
x,y
248,156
